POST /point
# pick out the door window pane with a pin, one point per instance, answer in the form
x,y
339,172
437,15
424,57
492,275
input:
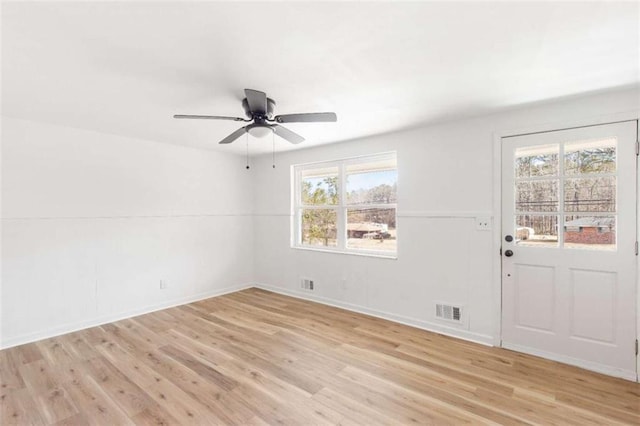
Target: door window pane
x,y
589,232
588,157
536,230
537,196
319,227
372,229
536,161
596,194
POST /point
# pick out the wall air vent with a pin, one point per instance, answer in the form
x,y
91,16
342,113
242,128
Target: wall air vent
x,y
449,312
306,284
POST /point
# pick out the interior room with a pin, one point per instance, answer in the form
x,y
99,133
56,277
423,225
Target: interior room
x,y
319,213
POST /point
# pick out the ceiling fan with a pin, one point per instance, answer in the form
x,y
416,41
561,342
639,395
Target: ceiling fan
x,y
259,110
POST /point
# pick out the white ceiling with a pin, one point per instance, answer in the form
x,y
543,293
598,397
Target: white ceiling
x,y
126,68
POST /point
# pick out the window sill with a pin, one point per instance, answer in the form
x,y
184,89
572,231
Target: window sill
x,y
391,256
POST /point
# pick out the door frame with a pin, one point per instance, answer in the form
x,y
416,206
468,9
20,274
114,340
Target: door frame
x,y
497,205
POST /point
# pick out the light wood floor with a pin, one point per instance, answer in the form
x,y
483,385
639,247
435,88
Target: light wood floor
x,y
256,358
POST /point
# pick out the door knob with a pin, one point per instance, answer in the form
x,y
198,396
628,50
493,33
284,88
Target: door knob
x,y
508,253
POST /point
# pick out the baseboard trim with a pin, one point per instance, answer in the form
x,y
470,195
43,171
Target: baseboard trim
x,y
424,325
71,327
587,365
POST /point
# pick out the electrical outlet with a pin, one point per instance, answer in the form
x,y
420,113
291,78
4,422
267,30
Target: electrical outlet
x,y
483,223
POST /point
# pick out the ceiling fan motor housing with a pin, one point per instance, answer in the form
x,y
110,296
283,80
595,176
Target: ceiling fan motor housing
x,y
271,104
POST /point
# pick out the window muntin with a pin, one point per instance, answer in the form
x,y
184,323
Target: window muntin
x,y
347,205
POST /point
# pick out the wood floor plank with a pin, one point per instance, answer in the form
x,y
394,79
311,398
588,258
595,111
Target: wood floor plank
x,y
56,404
154,417
55,351
41,377
162,390
77,347
267,394
401,409
95,402
94,335
18,408
10,377
428,403
352,409
130,397
259,358
206,372
202,346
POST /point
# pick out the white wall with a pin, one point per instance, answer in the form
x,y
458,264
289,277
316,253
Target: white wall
x,y
92,222
446,178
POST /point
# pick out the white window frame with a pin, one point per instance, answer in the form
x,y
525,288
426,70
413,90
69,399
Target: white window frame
x,y
340,208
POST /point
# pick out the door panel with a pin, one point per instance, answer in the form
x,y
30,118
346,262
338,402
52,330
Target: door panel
x,y
535,286
569,203
593,289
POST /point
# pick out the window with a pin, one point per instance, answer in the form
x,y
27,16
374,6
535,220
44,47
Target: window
x,y
571,182
347,206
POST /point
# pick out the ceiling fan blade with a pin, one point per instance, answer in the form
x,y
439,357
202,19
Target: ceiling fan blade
x,y
287,134
311,117
235,135
209,117
257,101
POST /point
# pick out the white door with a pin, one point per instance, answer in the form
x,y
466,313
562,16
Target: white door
x,y
569,246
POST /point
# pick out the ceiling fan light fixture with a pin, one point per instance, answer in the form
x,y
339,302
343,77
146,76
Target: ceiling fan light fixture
x,y
259,110
260,131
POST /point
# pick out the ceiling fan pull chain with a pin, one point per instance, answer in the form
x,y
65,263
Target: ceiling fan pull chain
x,y
247,133
273,141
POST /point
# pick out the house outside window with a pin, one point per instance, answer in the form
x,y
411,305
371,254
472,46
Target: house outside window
x,y
347,206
